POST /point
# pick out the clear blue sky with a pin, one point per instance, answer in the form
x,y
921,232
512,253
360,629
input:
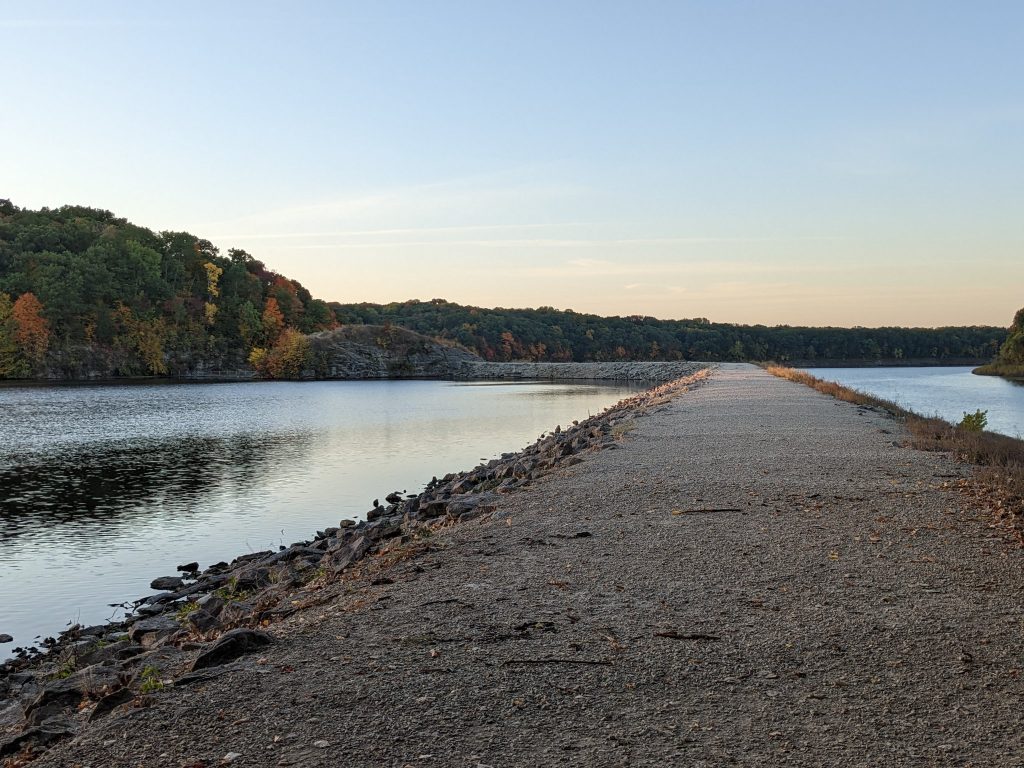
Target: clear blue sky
x,y
853,163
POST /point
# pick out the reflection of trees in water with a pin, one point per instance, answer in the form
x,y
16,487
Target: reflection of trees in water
x,y
93,487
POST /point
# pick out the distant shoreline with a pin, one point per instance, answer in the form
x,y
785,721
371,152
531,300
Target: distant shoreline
x,y
955,362
517,370
1002,370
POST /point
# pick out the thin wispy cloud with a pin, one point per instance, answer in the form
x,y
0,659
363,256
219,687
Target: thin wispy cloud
x,y
397,231
511,242
411,208
607,268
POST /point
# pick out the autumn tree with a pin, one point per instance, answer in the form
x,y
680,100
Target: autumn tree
x,y
273,320
31,329
290,355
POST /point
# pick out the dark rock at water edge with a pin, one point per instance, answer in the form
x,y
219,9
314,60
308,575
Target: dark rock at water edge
x,y
231,645
167,583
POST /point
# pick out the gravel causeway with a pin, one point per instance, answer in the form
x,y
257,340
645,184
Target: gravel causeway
x,y
758,575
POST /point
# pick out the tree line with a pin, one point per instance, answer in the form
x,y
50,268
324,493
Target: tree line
x,y
1010,360
84,293
563,335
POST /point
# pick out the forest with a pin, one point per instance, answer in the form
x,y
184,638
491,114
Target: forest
x,y
1010,360
84,294
551,334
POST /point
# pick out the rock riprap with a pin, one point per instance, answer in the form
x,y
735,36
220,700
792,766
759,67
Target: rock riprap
x,y
202,620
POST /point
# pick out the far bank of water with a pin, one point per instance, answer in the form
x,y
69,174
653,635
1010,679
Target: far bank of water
x,y
103,488
947,392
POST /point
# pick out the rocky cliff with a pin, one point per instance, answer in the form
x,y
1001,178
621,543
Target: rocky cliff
x,y
383,352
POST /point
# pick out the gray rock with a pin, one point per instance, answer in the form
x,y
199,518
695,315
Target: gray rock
x,y
211,604
6,639
70,690
50,732
350,553
235,612
168,583
384,528
231,645
432,508
203,621
149,632
471,504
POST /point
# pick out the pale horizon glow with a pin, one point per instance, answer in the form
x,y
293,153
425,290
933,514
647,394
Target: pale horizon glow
x,y
850,163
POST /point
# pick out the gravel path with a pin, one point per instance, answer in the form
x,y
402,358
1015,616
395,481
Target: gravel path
x,y
841,609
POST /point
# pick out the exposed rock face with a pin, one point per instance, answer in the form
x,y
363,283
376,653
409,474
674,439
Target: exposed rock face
x,y
365,352
379,352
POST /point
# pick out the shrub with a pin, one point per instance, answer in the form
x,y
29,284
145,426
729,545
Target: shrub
x,y
974,422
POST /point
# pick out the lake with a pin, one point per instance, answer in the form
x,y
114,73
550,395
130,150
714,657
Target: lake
x,y
105,487
946,392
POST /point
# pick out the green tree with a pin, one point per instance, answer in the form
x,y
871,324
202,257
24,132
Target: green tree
x,y
10,362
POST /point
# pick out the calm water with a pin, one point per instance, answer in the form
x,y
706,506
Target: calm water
x,y
946,392
103,488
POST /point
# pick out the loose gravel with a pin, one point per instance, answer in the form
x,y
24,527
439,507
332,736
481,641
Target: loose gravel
x,y
760,575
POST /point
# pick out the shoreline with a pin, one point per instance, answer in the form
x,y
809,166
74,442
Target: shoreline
x,y
757,574
1006,371
515,370
106,665
644,371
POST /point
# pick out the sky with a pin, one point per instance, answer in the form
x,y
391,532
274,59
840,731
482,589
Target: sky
x,y
817,162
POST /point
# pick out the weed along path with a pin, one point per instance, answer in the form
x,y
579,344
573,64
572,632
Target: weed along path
x,y
758,575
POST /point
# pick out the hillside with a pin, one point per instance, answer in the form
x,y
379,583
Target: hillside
x,y
84,294
550,334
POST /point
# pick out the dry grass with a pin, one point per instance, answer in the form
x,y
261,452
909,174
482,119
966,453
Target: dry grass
x,y
999,459
1007,370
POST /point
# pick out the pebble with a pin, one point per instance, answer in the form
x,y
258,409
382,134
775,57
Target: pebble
x,y
321,744
230,757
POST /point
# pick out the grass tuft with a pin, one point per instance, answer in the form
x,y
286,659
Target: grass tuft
x,y
151,682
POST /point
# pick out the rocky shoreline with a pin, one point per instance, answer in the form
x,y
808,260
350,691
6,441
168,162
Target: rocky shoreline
x,y
608,371
201,620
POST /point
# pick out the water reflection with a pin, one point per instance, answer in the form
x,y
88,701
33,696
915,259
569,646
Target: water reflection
x,y
104,487
120,484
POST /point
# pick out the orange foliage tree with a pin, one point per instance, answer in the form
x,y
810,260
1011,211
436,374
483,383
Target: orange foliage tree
x,y
273,320
31,329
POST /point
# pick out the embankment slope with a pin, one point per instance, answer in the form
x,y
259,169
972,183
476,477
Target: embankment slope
x,y
760,575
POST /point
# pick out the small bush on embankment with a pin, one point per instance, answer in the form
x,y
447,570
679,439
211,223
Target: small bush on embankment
x,y
999,459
